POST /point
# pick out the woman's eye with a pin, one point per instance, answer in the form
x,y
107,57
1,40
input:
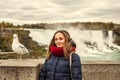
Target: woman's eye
x,y
60,38
56,39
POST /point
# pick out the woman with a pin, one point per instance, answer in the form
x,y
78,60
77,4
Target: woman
x,y
56,66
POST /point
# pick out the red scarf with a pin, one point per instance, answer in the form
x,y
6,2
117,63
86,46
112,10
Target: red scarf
x,y
57,51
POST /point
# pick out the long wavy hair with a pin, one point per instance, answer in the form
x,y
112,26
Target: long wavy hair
x,y
66,45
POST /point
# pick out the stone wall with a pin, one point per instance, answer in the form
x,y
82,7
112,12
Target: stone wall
x,y
105,70
28,69
15,69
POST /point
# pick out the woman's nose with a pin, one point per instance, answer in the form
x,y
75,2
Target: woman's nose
x,y
58,40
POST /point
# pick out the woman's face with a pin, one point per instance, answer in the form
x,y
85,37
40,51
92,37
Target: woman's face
x,y
59,39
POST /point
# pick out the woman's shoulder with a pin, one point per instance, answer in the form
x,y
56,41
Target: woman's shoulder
x,y
75,56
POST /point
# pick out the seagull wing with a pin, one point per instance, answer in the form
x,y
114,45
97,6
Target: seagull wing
x,y
23,49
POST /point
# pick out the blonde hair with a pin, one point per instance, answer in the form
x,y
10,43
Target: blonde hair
x,y
66,45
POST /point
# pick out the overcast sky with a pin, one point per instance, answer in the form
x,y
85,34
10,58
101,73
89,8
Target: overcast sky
x,y
37,11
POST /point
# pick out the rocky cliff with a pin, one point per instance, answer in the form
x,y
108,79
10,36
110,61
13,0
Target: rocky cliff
x,y
6,35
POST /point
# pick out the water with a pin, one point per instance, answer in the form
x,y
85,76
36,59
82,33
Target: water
x,y
91,45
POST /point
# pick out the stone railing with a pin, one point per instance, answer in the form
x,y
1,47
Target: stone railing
x,y
101,70
24,69
28,69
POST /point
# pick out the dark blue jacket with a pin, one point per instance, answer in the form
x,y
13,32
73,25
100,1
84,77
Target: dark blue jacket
x,y
58,68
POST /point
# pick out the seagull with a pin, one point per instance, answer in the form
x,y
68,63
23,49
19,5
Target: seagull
x,y
17,47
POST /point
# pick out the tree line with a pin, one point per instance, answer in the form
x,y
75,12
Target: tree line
x,y
80,25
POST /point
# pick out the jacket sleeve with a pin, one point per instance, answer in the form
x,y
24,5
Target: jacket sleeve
x,y
43,72
76,67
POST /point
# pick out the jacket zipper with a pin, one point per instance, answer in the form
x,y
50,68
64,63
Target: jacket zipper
x,y
55,68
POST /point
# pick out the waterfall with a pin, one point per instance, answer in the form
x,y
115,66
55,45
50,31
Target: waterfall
x,y
89,42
